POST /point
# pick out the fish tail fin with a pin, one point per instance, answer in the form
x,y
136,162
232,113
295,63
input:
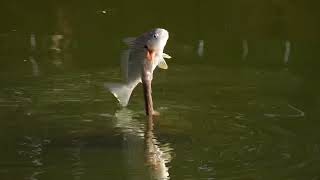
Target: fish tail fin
x,y
121,91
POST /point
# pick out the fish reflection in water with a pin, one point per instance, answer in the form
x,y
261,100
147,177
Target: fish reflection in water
x,y
128,124
157,157
142,146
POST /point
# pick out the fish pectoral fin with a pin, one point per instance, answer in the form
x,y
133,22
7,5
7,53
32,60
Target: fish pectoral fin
x,y
167,56
162,64
129,41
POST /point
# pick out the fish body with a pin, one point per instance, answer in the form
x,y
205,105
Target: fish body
x,y
144,54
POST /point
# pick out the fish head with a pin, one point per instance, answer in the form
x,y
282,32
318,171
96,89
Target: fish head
x,y
156,41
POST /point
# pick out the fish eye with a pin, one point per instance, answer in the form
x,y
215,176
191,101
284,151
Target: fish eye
x,y
156,36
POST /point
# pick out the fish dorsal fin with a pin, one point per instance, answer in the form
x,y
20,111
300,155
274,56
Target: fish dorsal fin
x,y
167,56
162,64
129,41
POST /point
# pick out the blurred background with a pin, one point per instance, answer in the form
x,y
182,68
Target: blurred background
x,y
239,101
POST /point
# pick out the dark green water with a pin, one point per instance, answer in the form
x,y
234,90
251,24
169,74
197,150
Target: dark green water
x,y
245,106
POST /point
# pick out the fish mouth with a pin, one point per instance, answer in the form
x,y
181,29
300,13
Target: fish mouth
x,y
150,53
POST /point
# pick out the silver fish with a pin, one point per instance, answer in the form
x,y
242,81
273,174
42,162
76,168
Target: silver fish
x,y
145,49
